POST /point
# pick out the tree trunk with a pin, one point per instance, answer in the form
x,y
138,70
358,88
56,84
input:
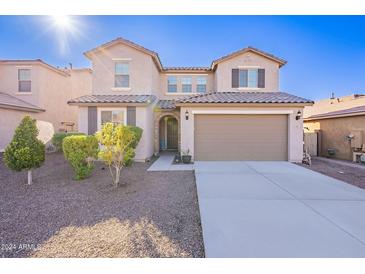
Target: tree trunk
x,y
117,176
29,177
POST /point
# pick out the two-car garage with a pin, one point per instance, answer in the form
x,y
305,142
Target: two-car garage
x,y
233,137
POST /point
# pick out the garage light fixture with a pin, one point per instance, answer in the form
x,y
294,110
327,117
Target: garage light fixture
x,y
299,114
187,115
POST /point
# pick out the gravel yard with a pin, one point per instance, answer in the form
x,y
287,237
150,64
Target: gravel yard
x,y
344,171
155,215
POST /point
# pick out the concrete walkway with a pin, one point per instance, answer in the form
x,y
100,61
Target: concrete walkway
x,y
164,163
278,209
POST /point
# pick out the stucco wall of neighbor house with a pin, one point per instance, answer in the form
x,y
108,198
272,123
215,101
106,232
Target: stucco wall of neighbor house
x,y
50,90
295,127
333,133
224,72
140,67
162,94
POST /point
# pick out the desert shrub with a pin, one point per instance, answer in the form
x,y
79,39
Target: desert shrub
x,y
130,151
59,136
118,144
25,151
80,151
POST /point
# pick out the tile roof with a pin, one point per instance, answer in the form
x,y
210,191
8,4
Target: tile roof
x,y
9,101
249,48
139,99
166,104
187,68
338,113
245,97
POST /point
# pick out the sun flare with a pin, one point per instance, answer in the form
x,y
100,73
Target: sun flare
x,y
62,21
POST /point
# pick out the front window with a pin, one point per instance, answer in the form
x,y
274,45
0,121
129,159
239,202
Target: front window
x,y
248,78
171,84
201,84
24,81
186,84
121,75
112,116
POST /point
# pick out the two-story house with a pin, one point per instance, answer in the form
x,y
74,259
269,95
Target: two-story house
x,y
232,110
35,88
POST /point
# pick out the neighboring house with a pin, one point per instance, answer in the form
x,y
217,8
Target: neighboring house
x,y
340,123
232,110
35,88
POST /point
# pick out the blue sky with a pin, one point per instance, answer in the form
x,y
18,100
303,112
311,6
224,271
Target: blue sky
x,y
325,53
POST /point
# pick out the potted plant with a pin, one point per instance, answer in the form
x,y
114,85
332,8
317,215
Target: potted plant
x,y
331,152
186,157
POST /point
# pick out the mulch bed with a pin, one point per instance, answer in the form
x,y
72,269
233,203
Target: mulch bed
x,y
349,174
154,215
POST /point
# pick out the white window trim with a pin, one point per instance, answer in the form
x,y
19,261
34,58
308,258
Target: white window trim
x,y
122,59
121,89
24,67
24,93
100,109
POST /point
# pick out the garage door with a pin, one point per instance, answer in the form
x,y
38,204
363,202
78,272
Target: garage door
x,y
241,137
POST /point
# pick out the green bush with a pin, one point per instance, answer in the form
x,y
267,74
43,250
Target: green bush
x,y
58,138
130,151
25,151
79,151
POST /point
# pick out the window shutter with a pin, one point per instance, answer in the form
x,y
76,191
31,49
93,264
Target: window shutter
x,y
92,118
131,116
261,78
235,79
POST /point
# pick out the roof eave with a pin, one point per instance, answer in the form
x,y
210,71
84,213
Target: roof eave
x,y
334,116
15,107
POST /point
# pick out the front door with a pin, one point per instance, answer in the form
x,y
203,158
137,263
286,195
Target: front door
x,y
171,133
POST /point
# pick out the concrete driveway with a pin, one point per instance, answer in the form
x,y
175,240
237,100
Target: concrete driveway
x,y
278,209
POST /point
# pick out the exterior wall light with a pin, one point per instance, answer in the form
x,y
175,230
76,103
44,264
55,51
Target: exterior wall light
x,y
299,114
187,115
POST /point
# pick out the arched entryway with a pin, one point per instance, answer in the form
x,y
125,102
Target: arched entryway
x,y
168,133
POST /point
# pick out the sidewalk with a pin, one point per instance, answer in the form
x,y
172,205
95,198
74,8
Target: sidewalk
x,y
164,163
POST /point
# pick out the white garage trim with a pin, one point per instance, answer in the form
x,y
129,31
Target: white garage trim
x,y
226,111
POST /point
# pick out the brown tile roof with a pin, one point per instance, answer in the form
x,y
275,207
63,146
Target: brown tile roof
x,y
187,68
249,48
244,98
339,113
11,102
102,99
158,62
166,104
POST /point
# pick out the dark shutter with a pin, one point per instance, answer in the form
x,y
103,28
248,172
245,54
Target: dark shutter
x,y
131,116
235,80
261,78
92,120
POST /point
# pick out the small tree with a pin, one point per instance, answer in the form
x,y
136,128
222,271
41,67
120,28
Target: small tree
x,y
80,151
25,152
118,144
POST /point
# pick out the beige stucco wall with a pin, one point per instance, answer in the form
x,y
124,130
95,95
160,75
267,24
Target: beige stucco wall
x,y
295,127
50,90
162,94
334,131
144,120
141,66
223,74
83,119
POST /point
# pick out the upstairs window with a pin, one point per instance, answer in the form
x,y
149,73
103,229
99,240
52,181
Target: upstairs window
x,y
24,81
171,84
186,84
121,75
201,84
248,78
